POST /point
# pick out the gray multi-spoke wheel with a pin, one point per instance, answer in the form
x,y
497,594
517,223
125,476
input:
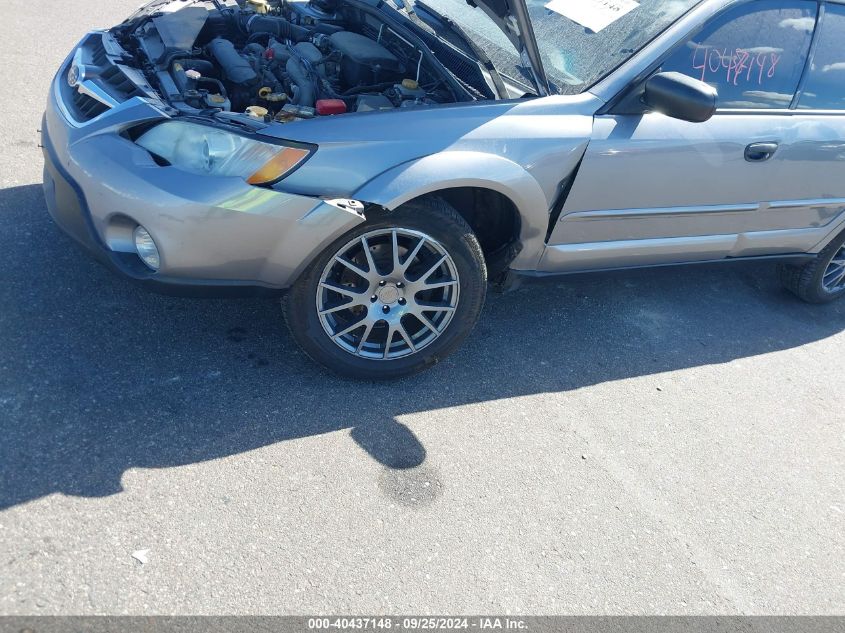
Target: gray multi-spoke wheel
x,y
388,293
394,296
833,279
823,278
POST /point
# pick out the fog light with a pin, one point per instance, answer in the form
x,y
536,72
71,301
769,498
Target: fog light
x,y
146,248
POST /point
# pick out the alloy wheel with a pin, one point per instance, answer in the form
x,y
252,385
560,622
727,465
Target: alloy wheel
x,y
833,279
388,294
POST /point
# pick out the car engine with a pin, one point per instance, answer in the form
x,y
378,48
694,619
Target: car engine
x,y
283,61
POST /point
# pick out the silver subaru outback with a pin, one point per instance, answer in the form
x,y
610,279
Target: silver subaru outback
x,y
381,162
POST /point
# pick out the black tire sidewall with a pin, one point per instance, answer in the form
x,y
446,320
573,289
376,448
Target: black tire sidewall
x,y
440,222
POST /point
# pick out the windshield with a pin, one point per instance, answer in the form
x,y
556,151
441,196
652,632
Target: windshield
x,y
574,56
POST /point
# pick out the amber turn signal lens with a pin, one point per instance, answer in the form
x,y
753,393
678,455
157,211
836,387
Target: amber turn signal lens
x,y
281,164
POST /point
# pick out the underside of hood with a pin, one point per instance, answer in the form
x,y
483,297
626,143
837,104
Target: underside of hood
x,y
511,16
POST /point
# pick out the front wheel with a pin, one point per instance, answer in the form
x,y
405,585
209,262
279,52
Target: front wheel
x,y
820,280
394,296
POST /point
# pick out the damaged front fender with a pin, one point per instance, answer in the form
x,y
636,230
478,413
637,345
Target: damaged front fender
x,y
351,206
455,169
309,236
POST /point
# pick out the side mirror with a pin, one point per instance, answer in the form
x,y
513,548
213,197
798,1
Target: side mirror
x,y
680,97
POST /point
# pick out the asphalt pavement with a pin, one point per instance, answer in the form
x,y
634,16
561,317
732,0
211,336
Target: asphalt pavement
x,y
663,442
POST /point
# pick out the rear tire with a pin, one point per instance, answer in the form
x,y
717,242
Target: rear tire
x,y
820,280
414,281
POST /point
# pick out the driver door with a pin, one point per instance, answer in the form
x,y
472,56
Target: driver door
x,y
759,178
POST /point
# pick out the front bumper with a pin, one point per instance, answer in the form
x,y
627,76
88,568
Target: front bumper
x,y
212,233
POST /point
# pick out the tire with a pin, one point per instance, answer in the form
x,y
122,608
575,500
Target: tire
x,y
820,280
360,279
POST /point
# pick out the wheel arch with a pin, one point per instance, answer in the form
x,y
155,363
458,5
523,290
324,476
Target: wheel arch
x,y
451,174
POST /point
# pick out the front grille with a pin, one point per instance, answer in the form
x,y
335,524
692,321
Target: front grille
x,y
97,51
103,75
85,107
118,85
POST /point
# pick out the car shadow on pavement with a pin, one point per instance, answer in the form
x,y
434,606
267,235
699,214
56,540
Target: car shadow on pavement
x,y
98,376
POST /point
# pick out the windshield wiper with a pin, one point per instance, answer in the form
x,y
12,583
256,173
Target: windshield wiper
x,y
479,53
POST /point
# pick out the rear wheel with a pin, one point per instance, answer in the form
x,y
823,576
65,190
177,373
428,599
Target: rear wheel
x,y
394,296
820,280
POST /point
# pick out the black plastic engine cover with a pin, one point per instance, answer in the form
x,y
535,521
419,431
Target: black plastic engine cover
x,y
237,69
365,61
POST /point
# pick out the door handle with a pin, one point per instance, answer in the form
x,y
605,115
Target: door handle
x,y
760,152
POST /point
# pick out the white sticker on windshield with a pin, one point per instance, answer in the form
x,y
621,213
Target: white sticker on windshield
x,y
594,14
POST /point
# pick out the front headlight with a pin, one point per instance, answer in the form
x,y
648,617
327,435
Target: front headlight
x,y
208,151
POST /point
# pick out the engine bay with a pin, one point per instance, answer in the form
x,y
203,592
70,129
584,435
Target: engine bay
x,y
277,60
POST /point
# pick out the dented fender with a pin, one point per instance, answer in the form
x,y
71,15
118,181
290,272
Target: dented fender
x,y
311,235
454,169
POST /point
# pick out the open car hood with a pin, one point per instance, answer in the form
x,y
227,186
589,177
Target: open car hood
x,y
511,16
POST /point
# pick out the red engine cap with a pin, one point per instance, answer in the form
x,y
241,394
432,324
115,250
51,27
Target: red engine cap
x,y
330,106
